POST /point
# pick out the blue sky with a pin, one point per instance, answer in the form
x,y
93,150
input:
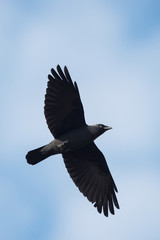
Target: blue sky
x,y
112,50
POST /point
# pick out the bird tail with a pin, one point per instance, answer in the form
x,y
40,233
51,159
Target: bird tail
x,y
37,155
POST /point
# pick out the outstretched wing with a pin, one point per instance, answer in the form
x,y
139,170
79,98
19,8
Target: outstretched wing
x,y
89,171
63,107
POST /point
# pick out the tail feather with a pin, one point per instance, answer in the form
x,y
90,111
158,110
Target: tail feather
x,y
37,155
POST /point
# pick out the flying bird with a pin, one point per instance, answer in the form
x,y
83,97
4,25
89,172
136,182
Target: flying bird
x,y
74,139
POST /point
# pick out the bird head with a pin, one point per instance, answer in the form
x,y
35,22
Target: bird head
x,y
103,128
98,129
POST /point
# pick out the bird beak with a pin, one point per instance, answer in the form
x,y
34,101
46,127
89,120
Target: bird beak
x,y
107,128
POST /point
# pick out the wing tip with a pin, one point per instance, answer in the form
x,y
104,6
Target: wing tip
x,y
59,68
108,206
50,77
65,68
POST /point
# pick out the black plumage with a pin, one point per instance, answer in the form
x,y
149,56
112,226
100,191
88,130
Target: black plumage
x,y
74,139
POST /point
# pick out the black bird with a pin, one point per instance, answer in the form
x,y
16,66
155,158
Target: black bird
x,y
74,139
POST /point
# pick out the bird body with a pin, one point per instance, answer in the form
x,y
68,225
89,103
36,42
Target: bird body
x,y
74,139
70,141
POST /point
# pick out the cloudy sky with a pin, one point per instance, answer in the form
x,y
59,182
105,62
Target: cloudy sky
x,y
112,50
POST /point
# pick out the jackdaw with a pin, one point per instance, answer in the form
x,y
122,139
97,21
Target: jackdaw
x,y
74,139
